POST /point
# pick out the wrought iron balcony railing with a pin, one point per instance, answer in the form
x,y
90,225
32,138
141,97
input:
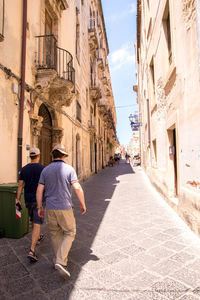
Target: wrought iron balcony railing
x,y
92,24
50,56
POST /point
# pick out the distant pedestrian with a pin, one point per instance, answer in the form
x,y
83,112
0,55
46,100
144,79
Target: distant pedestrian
x,y
28,178
56,181
117,158
111,162
127,156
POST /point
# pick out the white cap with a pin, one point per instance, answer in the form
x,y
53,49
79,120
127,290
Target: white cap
x,y
34,151
60,148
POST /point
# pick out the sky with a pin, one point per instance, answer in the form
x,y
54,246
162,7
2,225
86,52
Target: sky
x,y
120,21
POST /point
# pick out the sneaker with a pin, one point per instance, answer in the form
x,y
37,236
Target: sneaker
x,y
40,239
32,256
62,269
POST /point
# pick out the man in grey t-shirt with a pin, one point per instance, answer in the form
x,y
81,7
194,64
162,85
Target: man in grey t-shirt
x,y
56,181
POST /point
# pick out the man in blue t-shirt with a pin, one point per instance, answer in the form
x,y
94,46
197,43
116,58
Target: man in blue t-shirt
x,y
56,181
28,178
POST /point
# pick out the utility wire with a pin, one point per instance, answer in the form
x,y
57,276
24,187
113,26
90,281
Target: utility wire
x,y
125,106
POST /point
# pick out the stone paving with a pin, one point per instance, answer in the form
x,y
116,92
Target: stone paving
x,y
129,246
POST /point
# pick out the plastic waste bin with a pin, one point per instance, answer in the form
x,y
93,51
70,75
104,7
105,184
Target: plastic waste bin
x,y
10,226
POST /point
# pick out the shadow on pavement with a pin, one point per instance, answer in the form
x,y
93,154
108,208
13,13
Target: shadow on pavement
x,y
22,280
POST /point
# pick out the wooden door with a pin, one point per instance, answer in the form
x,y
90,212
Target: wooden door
x,y
45,138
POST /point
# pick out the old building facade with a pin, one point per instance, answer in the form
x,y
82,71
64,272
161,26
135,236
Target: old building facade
x,y
55,84
168,91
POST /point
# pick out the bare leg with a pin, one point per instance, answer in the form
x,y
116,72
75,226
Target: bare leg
x,y
35,235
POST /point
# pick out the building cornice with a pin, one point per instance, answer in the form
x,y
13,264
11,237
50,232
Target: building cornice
x,y
138,27
103,21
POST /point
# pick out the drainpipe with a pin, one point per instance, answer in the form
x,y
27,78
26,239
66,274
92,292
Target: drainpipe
x,y
198,28
21,111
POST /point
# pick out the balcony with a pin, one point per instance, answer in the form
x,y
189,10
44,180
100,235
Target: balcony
x,y
93,36
108,92
95,91
100,59
103,106
55,75
105,81
92,127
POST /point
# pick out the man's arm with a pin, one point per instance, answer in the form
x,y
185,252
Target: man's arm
x,y
19,191
79,192
39,195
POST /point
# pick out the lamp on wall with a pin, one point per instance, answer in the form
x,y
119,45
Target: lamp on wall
x,y
2,20
131,117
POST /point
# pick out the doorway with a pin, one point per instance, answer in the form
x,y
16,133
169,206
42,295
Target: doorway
x,y
102,158
95,157
78,155
173,161
45,138
91,155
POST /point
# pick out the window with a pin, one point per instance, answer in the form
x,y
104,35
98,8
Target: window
x,y
101,42
152,74
95,110
149,29
78,169
1,20
167,31
168,35
91,116
98,19
99,126
92,74
87,98
151,84
78,111
77,37
154,151
92,20
48,23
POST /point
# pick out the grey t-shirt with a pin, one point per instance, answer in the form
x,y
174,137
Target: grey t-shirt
x,y
57,179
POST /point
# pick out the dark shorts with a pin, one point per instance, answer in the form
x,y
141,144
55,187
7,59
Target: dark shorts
x,y
33,213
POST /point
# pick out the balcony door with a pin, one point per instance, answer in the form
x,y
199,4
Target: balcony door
x,y
49,41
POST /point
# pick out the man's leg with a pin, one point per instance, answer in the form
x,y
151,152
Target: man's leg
x,y
36,225
67,223
35,235
54,231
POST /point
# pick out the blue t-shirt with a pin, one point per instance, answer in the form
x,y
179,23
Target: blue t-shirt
x,y
57,179
30,174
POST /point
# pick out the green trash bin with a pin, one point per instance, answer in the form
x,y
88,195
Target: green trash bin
x,y
10,226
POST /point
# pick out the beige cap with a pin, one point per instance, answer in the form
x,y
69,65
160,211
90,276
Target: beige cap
x,y
60,148
34,151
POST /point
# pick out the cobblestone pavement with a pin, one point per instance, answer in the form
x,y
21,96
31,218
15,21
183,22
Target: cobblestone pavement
x,y
129,246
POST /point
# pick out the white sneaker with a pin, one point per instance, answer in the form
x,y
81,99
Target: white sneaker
x,y
62,269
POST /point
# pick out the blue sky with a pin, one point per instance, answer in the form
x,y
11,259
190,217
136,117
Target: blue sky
x,y
120,20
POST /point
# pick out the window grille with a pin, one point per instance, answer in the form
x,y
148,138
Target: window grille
x,y
2,7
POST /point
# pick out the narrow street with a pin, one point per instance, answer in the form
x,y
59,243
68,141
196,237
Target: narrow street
x,y
129,245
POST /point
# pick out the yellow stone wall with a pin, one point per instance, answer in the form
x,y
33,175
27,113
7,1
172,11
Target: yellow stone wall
x,y
66,128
